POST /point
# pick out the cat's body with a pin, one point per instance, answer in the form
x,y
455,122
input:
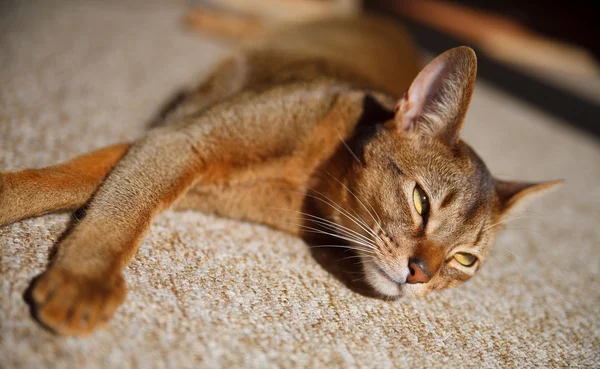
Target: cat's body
x,y
316,95
308,126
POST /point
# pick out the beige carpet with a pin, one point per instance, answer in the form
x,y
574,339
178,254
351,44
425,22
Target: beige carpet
x,y
213,293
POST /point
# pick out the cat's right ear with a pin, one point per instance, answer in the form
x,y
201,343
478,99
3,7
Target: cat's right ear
x,y
516,195
437,101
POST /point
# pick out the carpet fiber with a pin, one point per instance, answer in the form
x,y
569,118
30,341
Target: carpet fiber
x,y
207,292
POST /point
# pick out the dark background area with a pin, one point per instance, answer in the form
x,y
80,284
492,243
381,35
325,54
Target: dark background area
x,y
571,22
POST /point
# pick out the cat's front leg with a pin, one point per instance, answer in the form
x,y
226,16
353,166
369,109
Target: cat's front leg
x,y
84,284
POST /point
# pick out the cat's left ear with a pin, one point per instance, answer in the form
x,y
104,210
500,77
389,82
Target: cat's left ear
x,y
437,101
516,195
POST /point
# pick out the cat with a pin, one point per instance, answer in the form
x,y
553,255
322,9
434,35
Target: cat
x,y
332,122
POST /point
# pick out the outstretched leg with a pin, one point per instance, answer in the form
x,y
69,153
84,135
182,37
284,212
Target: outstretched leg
x,y
33,192
84,284
232,146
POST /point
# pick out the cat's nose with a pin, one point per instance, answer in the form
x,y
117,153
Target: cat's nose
x,y
418,272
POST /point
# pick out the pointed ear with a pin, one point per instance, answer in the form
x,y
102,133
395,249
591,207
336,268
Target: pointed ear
x,y
515,195
436,102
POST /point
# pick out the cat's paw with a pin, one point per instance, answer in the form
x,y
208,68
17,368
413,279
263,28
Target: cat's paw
x,y
72,304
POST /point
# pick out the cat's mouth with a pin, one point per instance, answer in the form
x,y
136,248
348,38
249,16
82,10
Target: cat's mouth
x,y
381,281
386,275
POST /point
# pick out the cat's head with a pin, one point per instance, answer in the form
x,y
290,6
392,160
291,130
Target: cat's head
x,y
427,204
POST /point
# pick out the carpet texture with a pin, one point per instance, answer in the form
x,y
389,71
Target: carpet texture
x,y
207,292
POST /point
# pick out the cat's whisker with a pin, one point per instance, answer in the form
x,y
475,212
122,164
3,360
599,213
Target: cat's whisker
x,y
377,222
355,219
326,200
493,255
358,160
356,246
356,273
363,261
348,147
351,257
504,221
319,231
321,220
359,222
334,227
528,211
517,261
350,235
339,208
524,229
363,246
362,279
537,214
368,245
347,247
510,252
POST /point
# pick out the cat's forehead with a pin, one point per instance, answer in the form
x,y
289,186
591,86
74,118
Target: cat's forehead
x,y
454,178
437,165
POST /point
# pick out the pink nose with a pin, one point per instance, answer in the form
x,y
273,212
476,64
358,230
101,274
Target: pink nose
x,y
418,272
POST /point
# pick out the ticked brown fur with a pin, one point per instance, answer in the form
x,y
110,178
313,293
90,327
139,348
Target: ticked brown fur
x,y
329,122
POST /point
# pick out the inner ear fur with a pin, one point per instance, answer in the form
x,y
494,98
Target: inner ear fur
x,y
437,101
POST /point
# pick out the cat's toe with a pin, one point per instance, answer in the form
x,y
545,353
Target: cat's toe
x,y
72,304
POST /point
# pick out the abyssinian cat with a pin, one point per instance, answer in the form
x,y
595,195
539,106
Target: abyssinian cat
x,y
331,122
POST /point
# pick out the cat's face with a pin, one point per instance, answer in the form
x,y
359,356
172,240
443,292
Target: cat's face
x,y
422,205
431,209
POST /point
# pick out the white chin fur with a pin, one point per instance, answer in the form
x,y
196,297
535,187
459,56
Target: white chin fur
x,y
380,283
386,287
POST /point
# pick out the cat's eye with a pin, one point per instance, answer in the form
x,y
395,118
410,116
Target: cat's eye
x,y
421,201
465,259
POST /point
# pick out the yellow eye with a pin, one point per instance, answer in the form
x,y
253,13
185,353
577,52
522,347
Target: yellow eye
x,y
420,200
465,259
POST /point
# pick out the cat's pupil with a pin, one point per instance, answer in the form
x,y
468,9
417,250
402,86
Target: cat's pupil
x,y
421,201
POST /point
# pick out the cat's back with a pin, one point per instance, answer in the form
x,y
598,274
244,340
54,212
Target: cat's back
x,y
364,50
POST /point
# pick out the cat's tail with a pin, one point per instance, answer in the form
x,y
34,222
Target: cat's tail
x,y
246,20
225,25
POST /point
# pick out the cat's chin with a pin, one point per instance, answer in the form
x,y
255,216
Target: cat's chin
x,y
381,282
387,287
